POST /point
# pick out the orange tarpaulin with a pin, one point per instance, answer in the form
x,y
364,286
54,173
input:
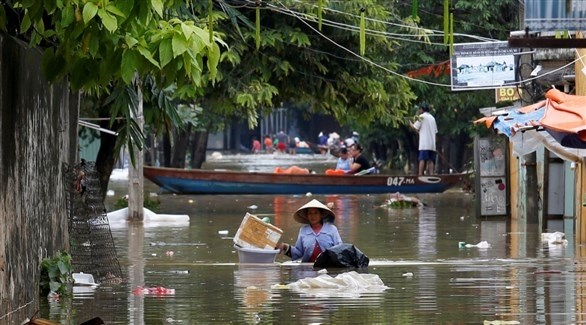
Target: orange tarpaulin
x,y
488,121
291,170
565,114
335,172
434,69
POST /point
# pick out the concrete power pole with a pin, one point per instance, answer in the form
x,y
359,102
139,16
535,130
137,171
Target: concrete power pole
x,y
580,172
135,177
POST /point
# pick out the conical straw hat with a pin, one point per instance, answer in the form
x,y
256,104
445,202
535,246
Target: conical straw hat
x,y
301,214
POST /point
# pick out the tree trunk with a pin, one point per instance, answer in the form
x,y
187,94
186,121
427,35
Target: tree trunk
x,y
106,158
412,146
150,152
199,145
167,148
180,148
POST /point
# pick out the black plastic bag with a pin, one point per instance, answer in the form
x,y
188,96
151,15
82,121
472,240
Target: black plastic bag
x,y
342,255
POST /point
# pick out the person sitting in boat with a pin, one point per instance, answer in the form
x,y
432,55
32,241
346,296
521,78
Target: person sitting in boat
x,y
256,147
292,145
344,161
281,140
268,144
323,143
343,165
317,234
360,163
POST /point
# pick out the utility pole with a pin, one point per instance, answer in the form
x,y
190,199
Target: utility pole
x,y
135,176
580,77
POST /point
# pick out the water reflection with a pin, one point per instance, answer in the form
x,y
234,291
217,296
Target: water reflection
x,y
136,271
252,288
518,278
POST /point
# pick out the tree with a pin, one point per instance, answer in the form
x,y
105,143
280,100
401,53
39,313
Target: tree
x,y
474,21
295,62
102,46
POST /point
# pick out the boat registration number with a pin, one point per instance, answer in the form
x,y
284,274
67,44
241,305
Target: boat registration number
x,y
399,180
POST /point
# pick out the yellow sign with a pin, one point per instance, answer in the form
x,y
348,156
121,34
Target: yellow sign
x,y
507,94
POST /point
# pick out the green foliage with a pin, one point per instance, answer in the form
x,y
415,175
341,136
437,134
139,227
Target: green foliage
x,y
106,47
297,64
56,274
122,37
454,111
151,203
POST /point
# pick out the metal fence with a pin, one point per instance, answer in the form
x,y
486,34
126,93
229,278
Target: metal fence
x,y
91,243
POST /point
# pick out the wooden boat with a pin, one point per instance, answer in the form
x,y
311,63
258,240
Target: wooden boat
x,y
200,181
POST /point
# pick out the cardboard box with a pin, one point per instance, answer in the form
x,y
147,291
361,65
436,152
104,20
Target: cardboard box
x,y
255,233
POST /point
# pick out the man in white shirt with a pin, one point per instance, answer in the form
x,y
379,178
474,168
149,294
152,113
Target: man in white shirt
x,y
427,129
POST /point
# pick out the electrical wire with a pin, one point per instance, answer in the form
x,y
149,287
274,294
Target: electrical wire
x,y
435,33
17,309
364,58
398,36
300,16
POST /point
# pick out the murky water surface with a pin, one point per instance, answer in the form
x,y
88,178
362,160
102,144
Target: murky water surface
x,y
517,279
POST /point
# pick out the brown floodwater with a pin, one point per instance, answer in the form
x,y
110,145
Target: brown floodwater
x,y
517,279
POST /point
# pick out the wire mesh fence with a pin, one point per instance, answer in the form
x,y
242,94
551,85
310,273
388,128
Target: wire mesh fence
x,y
91,243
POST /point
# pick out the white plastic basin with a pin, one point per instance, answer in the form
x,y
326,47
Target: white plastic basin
x,y
83,279
256,255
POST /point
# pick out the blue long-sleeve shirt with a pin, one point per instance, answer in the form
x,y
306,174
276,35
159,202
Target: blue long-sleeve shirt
x,y
327,237
344,164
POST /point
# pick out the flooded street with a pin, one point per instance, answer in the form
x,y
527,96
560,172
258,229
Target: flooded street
x,y
415,252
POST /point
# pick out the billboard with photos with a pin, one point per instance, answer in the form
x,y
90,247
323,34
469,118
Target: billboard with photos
x,y
484,65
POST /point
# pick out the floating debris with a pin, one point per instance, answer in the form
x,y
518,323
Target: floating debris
x,y
482,244
155,291
400,201
554,238
160,243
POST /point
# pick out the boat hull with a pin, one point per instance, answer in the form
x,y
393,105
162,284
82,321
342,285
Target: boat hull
x,y
182,181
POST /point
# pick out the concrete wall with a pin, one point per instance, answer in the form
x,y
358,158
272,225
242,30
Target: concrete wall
x,y
38,132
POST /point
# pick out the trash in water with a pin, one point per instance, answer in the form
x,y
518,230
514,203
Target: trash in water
x,y
157,291
266,220
482,244
555,238
400,201
169,253
408,274
461,244
280,286
349,284
179,271
253,207
223,232
83,279
501,322
160,243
